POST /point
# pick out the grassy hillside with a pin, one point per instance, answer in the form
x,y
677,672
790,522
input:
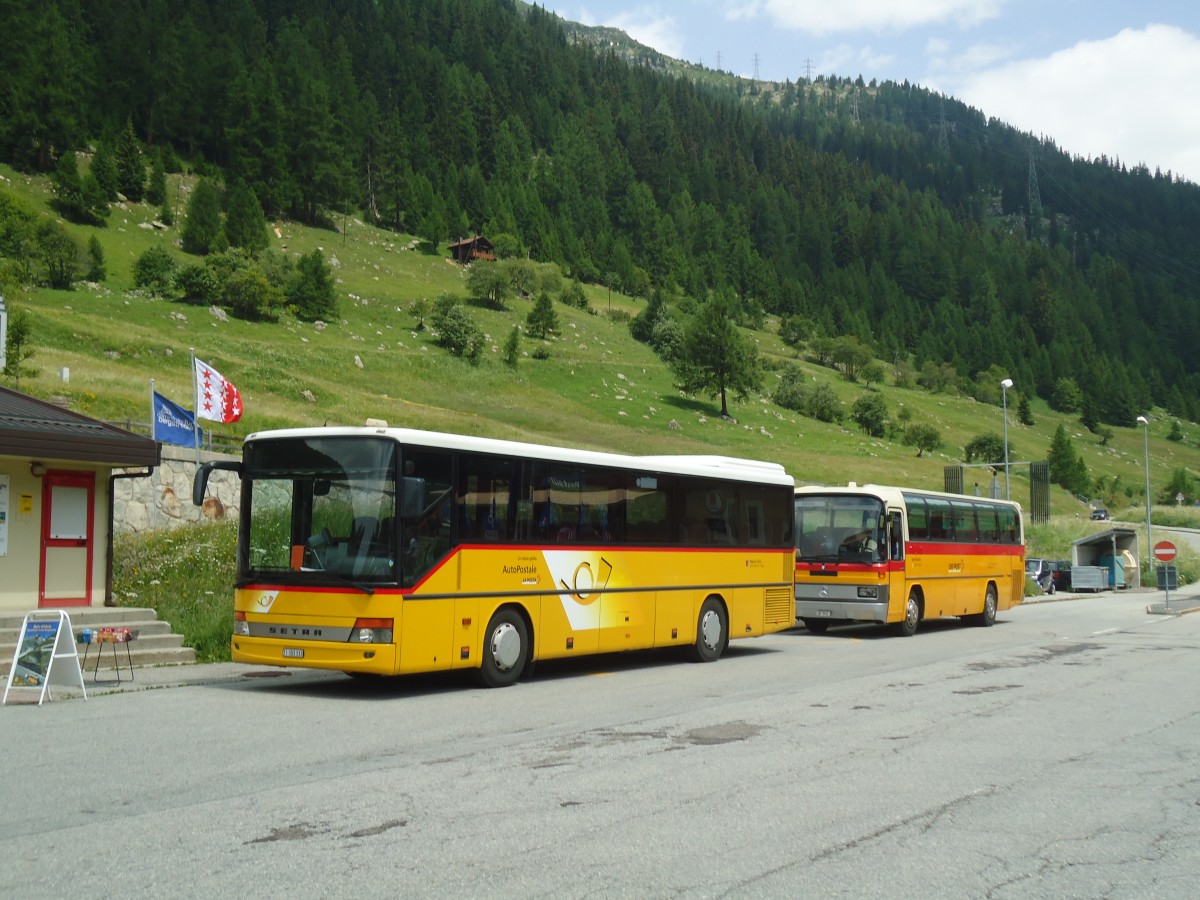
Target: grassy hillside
x,y
598,389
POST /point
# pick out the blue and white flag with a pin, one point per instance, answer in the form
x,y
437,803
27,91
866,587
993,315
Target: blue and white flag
x,y
173,424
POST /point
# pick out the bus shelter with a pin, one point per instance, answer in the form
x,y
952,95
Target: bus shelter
x,y
1107,560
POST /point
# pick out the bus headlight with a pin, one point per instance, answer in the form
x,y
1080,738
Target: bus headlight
x,y
373,631
868,592
241,628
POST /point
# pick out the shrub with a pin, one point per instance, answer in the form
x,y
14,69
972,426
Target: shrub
x,y
456,330
199,284
154,270
250,295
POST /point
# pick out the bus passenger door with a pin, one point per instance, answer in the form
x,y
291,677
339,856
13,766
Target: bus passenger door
x,y
897,577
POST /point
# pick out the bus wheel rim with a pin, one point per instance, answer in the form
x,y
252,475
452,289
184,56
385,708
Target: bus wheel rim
x,y
910,612
710,630
506,646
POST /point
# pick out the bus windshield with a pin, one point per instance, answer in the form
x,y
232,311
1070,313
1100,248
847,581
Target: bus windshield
x,y
840,528
320,508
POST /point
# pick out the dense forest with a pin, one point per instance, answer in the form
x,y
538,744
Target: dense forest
x,y
883,212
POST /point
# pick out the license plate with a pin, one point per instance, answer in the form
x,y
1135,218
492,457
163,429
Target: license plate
x,y
820,612
293,653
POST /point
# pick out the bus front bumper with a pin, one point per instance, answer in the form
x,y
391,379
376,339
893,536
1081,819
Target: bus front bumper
x,y
374,659
843,608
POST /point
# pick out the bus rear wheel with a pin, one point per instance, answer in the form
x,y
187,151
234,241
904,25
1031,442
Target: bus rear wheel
x,y
712,631
505,649
987,618
816,626
907,626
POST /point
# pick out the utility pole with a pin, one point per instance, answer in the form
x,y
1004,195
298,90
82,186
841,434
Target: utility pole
x,y
756,67
943,138
1035,196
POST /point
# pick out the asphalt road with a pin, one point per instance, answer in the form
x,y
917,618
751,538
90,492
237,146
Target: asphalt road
x,y
1054,755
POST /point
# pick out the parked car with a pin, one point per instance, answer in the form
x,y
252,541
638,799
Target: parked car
x,y
1100,515
1051,575
1039,570
1060,575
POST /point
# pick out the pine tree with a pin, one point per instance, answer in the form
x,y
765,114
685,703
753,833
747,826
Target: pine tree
x,y
104,168
131,168
312,293
17,345
97,272
245,224
542,320
203,224
68,189
1067,468
156,190
512,347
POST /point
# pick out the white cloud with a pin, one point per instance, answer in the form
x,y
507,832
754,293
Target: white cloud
x,y
820,17
648,26
1130,97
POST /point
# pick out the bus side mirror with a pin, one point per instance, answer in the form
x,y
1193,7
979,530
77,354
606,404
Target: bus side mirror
x,y
412,497
200,480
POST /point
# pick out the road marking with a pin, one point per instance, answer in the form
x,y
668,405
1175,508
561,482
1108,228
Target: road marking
x,y
1106,631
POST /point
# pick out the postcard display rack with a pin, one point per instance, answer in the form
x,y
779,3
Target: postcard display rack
x,y
45,653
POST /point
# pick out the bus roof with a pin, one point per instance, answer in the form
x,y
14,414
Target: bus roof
x,y
893,493
709,466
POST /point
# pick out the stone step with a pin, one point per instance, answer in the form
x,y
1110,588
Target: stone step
x,y
155,644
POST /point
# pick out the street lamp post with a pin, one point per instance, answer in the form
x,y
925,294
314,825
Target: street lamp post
x,y
1145,423
1004,386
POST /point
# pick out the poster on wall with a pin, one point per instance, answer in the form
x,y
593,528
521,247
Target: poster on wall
x,y
3,515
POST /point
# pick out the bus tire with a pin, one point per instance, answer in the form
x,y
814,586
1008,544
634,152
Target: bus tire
x,y
907,626
816,626
505,649
987,618
712,631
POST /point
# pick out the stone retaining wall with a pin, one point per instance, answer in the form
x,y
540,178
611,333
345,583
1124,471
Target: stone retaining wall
x,y
164,500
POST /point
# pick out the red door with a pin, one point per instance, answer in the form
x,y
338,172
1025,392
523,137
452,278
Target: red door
x,y
68,513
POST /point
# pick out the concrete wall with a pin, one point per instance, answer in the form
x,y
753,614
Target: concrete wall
x,y
164,500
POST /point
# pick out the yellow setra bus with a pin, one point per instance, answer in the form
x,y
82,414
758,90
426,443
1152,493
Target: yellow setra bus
x,y
897,556
387,551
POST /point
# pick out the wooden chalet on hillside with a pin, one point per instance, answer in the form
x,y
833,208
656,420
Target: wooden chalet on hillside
x,y
470,249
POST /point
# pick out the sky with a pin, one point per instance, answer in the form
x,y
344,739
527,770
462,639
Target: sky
x,y
1096,77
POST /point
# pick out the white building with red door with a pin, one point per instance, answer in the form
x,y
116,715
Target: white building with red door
x,y
57,475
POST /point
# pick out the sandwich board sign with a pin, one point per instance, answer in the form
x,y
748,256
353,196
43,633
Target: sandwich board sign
x,y
45,653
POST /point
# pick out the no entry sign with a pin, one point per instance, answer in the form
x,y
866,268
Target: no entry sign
x,y
1164,551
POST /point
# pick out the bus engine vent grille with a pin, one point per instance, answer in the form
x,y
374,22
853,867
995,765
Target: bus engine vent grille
x,y
781,605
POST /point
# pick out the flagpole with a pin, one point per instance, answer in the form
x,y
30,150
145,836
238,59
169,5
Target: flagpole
x,y
153,469
196,405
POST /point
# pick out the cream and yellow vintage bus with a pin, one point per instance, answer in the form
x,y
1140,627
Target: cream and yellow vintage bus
x,y
387,551
897,556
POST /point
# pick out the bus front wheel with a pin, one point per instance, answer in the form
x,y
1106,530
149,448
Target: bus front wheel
x,y
712,631
505,649
907,626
